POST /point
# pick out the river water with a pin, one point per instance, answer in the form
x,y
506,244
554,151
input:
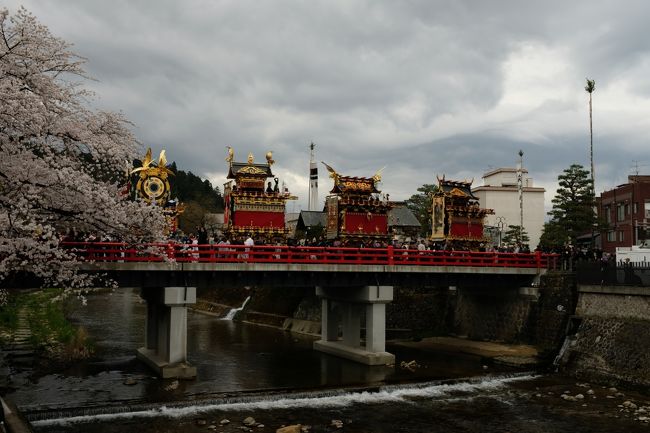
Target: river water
x,y
250,370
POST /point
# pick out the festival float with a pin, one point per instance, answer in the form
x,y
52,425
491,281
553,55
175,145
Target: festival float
x,y
457,220
149,181
254,202
355,212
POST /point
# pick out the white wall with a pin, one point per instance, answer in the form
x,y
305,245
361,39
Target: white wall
x,y
505,202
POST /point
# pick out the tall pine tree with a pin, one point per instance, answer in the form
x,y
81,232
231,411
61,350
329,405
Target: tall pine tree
x,y
420,205
572,214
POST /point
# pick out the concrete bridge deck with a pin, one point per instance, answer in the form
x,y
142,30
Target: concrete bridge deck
x,y
173,264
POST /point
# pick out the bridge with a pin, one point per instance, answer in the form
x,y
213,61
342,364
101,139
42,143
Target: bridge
x,y
352,283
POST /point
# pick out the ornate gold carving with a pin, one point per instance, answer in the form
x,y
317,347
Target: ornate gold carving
x,y
231,155
333,174
154,188
250,157
249,169
457,192
358,186
377,176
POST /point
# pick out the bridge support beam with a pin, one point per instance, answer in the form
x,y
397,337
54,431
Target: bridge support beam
x,y
165,348
345,306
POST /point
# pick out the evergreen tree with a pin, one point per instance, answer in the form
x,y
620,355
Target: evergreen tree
x,y
572,214
553,236
511,236
420,205
198,195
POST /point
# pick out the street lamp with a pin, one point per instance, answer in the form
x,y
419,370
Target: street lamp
x,y
501,223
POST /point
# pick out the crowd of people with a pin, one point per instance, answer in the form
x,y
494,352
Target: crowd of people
x,y
202,237
568,255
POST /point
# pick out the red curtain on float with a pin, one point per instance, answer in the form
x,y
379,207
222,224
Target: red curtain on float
x,y
369,223
244,218
466,229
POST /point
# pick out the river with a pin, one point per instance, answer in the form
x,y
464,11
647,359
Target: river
x,y
275,377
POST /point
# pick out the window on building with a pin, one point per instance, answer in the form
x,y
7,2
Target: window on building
x,y
608,214
647,209
621,236
611,236
620,216
626,209
636,208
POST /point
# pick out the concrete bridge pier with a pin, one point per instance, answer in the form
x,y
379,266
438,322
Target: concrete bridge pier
x,y
165,348
345,306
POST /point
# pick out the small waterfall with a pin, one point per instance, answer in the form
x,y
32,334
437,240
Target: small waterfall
x,y
231,314
563,349
467,388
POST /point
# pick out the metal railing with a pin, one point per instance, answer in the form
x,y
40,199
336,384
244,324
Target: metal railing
x,y
218,253
613,274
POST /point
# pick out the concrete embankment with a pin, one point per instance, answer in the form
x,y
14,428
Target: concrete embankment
x,y
12,420
533,316
609,336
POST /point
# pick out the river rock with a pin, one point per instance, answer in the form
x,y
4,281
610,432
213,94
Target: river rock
x,y
337,423
172,386
249,421
568,397
224,421
129,381
201,422
628,404
590,392
412,365
295,428
579,396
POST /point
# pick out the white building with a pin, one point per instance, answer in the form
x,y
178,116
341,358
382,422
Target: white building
x,y
500,192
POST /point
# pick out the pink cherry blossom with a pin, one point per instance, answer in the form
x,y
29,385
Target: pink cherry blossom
x,y
61,162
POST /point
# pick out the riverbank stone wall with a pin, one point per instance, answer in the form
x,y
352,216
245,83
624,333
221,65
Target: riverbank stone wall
x,y
422,311
494,315
553,311
611,343
526,315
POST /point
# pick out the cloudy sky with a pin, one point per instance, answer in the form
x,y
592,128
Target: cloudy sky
x,y
423,87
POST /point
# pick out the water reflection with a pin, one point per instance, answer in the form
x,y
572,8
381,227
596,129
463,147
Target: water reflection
x,y
229,356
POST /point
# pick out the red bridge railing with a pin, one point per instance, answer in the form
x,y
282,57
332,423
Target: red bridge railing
x,y
160,252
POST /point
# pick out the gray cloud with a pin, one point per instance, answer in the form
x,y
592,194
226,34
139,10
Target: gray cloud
x,y
425,87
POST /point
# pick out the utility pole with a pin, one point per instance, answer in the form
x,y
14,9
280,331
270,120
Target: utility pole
x,y
520,188
590,87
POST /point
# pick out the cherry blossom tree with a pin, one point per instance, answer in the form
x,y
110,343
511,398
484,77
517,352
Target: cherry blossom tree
x,y
61,162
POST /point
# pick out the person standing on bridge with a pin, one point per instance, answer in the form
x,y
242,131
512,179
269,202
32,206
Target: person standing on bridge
x,y
249,242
